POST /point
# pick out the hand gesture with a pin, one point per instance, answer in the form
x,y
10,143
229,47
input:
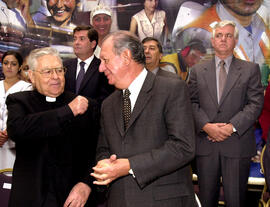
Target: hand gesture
x,y
78,105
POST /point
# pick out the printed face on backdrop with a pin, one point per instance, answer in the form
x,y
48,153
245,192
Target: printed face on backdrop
x,y
102,24
193,57
243,7
11,3
150,5
61,10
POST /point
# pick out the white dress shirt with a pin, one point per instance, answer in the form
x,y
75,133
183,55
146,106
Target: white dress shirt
x,y
135,87
87,64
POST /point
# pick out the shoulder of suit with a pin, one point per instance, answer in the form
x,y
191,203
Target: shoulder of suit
x,y
21,94
96,59
244,62
67,62
167,74
165,81
112,96
203,64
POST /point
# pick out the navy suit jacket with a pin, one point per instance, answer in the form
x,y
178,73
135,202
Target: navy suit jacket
x,y
94,85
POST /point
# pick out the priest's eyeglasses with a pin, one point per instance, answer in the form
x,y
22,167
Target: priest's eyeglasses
x,y
47,73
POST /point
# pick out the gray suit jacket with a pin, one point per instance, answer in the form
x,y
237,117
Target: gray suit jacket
x,y
159,143
240,104
164,73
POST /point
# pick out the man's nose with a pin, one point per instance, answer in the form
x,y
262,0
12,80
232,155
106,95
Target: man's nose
x,y
101,67
60,3
54,75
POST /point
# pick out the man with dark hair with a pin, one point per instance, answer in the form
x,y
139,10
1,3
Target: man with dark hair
x,y
82,76
185,58
153,53
147,135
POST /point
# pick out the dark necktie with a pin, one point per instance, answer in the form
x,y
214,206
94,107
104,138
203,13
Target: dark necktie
x,y
80,77
126,108
222,77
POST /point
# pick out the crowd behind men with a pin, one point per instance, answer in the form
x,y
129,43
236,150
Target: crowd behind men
x,y
146,134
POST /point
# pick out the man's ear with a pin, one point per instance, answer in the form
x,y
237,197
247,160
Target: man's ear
x,y
160,56
127,56
93,44
31,76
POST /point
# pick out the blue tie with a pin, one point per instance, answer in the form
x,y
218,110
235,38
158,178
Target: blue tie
x,y
19,18
80,77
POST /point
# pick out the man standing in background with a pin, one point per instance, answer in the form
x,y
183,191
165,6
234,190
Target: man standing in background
x,y
153,54
227,98
82,76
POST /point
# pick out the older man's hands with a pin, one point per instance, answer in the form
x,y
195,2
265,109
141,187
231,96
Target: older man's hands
x,y
108,170
78,195
78,105
218,132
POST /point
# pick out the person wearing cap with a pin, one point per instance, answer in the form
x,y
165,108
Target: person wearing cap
x,y
101,20
185,58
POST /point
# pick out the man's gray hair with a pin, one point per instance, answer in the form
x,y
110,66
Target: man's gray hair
x,y
223,24
126,40
37,53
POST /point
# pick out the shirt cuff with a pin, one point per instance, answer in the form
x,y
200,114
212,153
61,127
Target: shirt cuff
x,y
234,130
131,173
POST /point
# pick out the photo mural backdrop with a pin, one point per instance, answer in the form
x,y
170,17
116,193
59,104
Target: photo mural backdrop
x,y
29,24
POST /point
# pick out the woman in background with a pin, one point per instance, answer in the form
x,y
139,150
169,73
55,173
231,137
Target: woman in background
x,y
150,22
11,63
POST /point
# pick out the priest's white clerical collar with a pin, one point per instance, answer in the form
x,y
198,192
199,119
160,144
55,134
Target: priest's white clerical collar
x,y
50,99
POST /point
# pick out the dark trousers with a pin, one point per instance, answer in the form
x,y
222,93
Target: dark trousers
x,y
234,173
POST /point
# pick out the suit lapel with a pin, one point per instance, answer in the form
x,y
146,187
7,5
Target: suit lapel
x,y
233,75
143,98
72,74
89,74
117,110
210,79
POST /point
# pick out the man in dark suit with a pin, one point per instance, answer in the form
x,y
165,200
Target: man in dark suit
x,y
55,133
145,159
82,76
153,54
227,98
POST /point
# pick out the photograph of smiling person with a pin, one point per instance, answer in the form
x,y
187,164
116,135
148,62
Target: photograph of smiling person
x,y
62,11
101,20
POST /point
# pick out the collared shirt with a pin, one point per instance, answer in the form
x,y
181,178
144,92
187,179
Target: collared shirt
x,y
147,28
97,51
87,64
228,62
8,17
155,70
249,41
135,87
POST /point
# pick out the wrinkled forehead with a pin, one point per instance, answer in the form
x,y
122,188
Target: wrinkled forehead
x,y
48,61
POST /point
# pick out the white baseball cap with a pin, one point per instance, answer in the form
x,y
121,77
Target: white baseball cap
x,y
100,9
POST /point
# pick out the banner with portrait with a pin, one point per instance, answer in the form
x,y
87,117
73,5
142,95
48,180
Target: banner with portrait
x,y
29,24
